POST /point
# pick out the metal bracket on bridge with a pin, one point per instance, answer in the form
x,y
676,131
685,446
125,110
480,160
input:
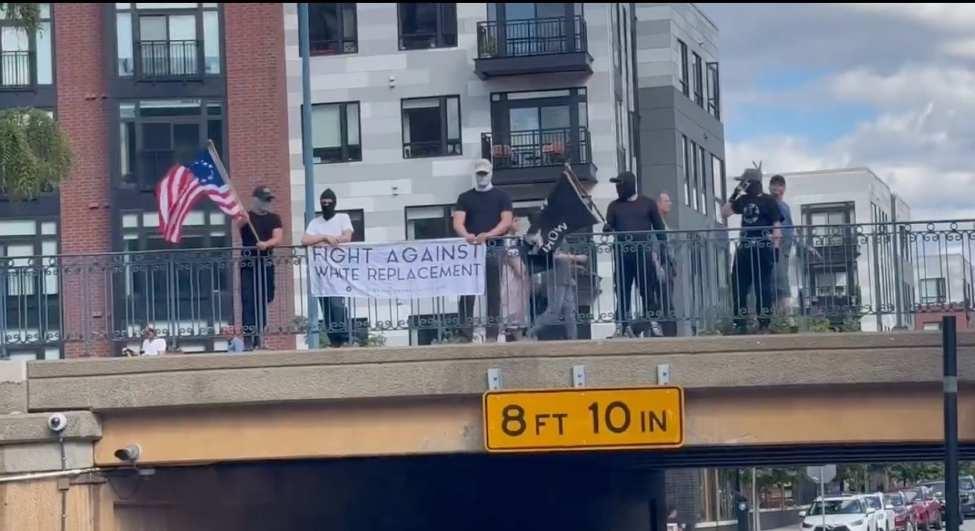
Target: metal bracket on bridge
x,y
494,378
663,374
578,376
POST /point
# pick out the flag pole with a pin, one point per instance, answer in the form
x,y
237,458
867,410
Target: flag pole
x,y
226,176
577,185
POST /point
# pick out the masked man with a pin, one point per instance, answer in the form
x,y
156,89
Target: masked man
x,y
638,256
331,229
482,215
257,265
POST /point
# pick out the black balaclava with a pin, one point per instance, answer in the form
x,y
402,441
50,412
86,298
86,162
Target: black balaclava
x,y
328,210
626,185
754,188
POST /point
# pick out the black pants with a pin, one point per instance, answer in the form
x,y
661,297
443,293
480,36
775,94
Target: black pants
x,y
256,292
335,317
754,263
492,291
635,265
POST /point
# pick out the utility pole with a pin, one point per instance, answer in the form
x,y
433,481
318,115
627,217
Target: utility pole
x,y
949,342
304,47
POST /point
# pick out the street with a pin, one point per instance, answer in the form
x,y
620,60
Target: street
x,y
967,525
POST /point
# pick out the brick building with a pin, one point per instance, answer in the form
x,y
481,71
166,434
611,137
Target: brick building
x,y
136,87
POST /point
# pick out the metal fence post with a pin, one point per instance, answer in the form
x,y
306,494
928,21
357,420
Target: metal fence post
x,y
949,342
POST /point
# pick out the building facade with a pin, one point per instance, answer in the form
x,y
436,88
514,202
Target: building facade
x,y
136,88
852,269
406,96
945,285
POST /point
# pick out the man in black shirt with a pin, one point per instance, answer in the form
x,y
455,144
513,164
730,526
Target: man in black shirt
x,y
257,265
482,215
638,257
761,234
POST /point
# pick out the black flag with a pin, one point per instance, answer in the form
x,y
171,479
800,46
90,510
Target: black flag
x,y
565,211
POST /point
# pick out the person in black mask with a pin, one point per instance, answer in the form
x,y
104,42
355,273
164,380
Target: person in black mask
x,y
761,235
257,265
637,255
332,228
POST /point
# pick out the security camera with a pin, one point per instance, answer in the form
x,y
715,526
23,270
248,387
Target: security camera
x,y
130,453
57,422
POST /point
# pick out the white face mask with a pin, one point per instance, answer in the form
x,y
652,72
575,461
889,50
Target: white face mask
x,y
261,205
482,182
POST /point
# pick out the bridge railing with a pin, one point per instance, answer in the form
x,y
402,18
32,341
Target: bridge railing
x,y
867,277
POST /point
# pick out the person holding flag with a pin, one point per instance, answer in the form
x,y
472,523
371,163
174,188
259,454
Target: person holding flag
x,y
260,233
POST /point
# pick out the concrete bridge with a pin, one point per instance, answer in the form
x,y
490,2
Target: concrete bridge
x,y
416,414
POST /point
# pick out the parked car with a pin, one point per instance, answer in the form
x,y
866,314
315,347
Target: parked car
x,y
883,515
938,491
966,485
904,518
926,509
850,512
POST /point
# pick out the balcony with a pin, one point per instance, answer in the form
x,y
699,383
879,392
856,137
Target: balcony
x,y
16,70
168,61
533,46
536,157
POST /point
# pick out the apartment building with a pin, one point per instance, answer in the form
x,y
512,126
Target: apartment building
x,y
945,285
406,96
854,269
136,87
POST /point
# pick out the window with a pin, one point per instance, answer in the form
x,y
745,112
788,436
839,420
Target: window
x,y
686,159
933,291
831,284
332,29
26,58
429,222
160,41
30,316
335,132
682,72
423,26
714,91
702,179
155,134
695,174
717,185
431,127
698,80
541,128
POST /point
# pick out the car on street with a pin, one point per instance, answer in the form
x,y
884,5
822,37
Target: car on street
x,y
883,515
927,510
904,519
938,491
966,485
849,512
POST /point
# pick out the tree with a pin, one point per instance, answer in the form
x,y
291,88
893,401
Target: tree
x,y
34,153
29,15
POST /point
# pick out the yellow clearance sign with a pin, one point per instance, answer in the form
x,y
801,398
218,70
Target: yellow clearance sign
x,y
583,419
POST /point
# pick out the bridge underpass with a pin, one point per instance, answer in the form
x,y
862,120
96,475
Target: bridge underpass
x,y
371,438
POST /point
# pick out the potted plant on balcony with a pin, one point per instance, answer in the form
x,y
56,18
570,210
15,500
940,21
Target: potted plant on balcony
x,y
34,153
554,151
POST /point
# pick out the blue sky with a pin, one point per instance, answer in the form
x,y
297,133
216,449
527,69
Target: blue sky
x,y
891,87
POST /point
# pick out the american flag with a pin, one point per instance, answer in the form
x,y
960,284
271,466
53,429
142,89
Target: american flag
x,y
183,186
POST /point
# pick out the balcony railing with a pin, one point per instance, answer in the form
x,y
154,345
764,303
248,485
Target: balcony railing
x,y
680,282
530,37
537,148
169,60
16,69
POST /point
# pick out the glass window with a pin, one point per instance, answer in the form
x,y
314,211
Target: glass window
x,y
686,168
429,222
717,185
123,32
335,132
332,28
933,291
703,179
682,71
211,42
167,41
538,128
695,169
426,128
45,68
698,80
714,91
15,64
427,25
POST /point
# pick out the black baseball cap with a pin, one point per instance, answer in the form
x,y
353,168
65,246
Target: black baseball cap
x,y
624,177
263,192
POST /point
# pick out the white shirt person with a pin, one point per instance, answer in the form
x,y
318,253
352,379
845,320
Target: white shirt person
x,y
332,228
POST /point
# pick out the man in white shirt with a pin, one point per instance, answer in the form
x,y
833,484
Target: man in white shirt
x,y
152,345
333,228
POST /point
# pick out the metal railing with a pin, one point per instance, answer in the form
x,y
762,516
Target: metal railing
x,y
534,149
722,281
160,60
530,37
16,69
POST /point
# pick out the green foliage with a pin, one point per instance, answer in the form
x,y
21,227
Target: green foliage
x,y
35,155
29,15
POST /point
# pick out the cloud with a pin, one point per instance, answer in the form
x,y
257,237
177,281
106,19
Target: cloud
x,y
906,68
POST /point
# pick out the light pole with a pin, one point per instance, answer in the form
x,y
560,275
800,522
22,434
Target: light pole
x,y
304,48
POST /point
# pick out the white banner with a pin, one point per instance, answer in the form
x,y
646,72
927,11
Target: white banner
x,y
404,270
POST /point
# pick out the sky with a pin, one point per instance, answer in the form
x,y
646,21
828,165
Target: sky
x,y
890,87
